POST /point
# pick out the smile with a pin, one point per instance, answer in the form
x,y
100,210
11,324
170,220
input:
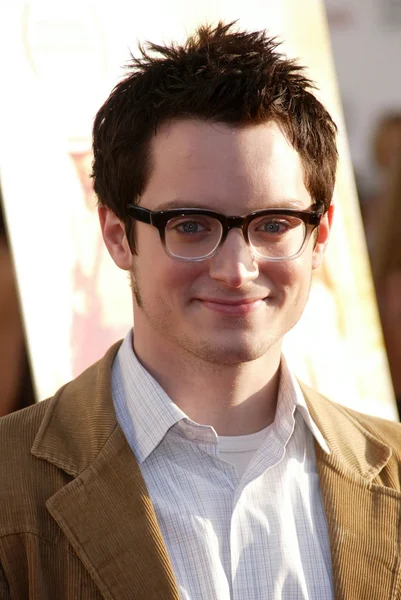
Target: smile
x,y
234,308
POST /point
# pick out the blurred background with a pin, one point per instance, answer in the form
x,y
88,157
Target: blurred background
x,y
74,56
366,44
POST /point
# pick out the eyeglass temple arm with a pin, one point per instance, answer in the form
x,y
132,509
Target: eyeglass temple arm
x,y
140,214
318,210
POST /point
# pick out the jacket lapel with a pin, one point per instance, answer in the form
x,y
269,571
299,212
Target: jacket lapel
x,y
105,512
363,515
108,518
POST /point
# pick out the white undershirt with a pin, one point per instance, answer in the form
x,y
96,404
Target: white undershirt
x,y
238,450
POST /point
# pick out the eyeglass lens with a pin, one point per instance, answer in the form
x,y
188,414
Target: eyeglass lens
x,y
197,236
192,236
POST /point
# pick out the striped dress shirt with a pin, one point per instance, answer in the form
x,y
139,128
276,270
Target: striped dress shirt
x,y
261,536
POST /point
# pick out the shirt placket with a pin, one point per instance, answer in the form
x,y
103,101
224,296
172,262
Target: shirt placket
x,y
243,532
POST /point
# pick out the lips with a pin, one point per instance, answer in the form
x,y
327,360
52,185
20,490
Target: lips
x,y
236,307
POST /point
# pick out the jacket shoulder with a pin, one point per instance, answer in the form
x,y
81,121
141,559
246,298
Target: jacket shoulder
x,y
17,434
45,446
21,427
336,414
26,482
389,432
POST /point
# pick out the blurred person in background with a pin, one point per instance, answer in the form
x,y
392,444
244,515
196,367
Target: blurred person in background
x,y
387,143
16,389
190,463
386,264
386,147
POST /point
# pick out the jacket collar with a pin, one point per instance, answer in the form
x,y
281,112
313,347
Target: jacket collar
x,y
79,420
353,449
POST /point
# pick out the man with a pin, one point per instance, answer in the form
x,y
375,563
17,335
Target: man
x,y
189,462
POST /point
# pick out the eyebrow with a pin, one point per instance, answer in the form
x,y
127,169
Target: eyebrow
x,y
288,203
177,203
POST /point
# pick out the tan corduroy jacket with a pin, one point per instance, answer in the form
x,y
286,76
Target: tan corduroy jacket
x,y
76,521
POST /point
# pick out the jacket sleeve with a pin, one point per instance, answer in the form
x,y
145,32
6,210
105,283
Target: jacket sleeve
x,y
4,588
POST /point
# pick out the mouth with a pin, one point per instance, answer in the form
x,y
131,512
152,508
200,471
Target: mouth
x,y
236,307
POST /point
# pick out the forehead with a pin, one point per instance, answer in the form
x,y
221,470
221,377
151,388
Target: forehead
x,y
218,164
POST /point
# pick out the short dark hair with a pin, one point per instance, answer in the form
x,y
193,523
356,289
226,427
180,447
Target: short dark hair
x,y
218,74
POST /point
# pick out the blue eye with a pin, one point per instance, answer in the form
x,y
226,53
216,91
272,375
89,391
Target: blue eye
x,y
272,227
190,227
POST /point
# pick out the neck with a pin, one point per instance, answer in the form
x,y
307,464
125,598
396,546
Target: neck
x,y
234,399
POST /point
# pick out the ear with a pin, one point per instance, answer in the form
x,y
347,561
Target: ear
x,y
113,231
322,238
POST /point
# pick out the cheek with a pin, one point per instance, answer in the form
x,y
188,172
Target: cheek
x,y
281,275
163,279
176,281
291,279
155,269
301,278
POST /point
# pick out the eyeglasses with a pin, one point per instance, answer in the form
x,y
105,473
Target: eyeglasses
x,y
195,234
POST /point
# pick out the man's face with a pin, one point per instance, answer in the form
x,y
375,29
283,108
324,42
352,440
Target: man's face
x,y
233,307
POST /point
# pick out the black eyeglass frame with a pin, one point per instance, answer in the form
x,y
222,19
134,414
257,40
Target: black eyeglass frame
x,y
160,218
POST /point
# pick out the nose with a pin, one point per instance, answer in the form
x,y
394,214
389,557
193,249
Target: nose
x,y
234,264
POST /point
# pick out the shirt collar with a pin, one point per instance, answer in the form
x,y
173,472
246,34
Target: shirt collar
x,y
290,389
151,412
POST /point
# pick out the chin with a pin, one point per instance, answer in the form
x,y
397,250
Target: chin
x,y
231,352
